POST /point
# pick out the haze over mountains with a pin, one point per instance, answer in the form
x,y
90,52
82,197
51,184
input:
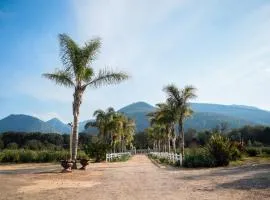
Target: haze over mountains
x,y
206,116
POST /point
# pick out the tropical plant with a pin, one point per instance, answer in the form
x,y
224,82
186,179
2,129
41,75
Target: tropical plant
x,y
103,123
114,128
179,99
79,74
219,147
165,116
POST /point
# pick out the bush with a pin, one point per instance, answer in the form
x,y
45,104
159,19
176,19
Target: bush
x,y
10,156
198,158
266,150
27,156
252,151
235,151
219,148
121,159
34,145
12,145
97,150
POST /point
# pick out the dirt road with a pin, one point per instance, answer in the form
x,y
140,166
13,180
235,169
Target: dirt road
x,y
137,178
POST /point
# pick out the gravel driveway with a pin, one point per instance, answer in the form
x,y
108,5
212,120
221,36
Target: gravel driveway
x,y
137,178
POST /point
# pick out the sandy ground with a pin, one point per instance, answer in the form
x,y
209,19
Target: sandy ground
x,y
137,178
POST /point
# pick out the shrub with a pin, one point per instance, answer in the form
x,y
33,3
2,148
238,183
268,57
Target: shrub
x,y
97,150
10,156
33,145
121,159
27,156
266,150
198,158
252,151
219,148
12,145
235,151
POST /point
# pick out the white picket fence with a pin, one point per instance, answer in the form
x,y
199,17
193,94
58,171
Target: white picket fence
x,y
172,157
111,156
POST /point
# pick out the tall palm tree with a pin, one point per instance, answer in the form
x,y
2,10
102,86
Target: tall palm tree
x,y
79,74
179,100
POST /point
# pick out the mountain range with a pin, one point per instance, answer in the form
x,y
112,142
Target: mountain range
x,y
206,116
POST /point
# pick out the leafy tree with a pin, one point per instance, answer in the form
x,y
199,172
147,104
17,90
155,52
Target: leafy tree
x,y
179,99
79,74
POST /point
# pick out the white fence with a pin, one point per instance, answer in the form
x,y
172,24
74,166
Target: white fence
x,y
172,157
111,156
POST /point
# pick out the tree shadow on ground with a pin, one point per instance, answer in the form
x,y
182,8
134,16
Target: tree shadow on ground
x,y
29,171
228,171
256,181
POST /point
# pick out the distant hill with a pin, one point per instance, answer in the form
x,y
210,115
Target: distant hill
x,y
206,116
59,126
248,113
25,123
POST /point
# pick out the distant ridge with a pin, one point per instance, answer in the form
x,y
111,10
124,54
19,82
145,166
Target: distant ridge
x,y
59,126
206,116
25,123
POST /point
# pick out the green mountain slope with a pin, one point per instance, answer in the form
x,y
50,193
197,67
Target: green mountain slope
x,y
59,126
25,123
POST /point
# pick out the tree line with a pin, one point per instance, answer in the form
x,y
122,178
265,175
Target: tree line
x,y
41,141
255,136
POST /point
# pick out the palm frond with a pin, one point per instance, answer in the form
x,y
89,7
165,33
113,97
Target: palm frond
x,y
99,112
189,93
68,51
60,77
107,77
90,51
173,93
87,74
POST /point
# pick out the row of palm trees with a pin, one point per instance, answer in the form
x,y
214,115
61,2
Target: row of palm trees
x,y
170,115
115,129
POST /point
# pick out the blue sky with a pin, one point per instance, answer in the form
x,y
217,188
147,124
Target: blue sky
x,y
221,47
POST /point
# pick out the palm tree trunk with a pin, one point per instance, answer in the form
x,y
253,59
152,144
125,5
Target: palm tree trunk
x,y
169,145
173,143
181,138
158,145
76,111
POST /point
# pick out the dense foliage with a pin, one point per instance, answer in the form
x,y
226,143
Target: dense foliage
x,y
25,156
97,150
115,129
40,141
